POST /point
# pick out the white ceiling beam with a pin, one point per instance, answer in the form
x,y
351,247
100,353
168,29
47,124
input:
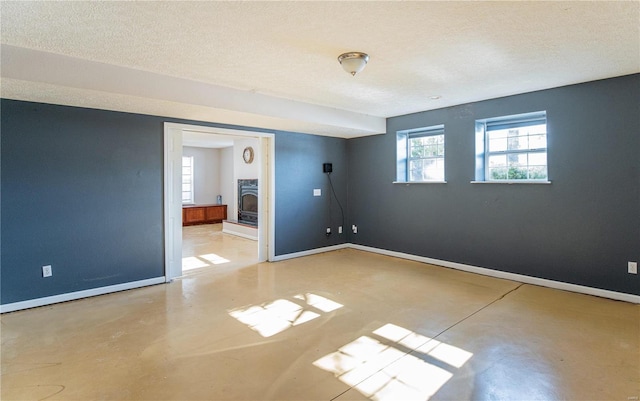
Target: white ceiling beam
x,y
37,66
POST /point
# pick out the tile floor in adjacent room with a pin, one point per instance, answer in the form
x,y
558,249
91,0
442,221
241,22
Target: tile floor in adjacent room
x,y
343,325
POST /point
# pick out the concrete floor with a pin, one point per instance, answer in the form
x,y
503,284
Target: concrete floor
x,y
343,325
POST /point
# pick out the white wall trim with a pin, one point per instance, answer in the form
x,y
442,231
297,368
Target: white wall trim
x,y
619,296
71,296
173,205
238,234
310,252
172,199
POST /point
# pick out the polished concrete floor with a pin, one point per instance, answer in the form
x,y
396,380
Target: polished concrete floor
x,y
206,246
343,325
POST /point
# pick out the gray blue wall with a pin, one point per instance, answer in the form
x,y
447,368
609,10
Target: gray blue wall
x,y
581,229
82,190
301,218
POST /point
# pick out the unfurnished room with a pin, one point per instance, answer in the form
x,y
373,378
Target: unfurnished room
x,y
320,200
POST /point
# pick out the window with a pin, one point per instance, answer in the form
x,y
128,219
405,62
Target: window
x,y
512,148
187,179
421,155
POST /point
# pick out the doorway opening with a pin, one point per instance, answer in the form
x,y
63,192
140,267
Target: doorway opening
x,y
231,146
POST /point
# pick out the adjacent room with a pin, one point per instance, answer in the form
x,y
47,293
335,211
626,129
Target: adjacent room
x,y
219,181
318,200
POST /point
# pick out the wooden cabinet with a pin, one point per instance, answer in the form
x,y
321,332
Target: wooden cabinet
x,y
193,215
215,213
203,214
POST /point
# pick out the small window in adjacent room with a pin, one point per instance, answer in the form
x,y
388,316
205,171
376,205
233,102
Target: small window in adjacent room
x,y
421,155
512,148
187,179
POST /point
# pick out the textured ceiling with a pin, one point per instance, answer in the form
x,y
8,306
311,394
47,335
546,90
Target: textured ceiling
x,y
270,52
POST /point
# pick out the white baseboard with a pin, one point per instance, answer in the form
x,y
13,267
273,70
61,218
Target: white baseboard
x,y
54,299
240,230
453,265
619,296
309,252
239,234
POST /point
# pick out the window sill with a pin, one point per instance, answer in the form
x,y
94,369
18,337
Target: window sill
x,y
419,182
508,182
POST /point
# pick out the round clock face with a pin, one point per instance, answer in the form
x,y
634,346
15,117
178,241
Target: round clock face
x,y
247,154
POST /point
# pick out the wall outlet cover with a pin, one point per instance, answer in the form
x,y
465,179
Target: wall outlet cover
x,y
317,192
633,267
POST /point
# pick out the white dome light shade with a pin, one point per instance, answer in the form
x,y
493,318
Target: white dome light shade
x,y
353,62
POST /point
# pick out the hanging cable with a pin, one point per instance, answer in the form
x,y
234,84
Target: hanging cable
x,y
337,200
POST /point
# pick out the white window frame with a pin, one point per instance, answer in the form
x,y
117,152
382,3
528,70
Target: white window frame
x,y
403,174
483,154
189,201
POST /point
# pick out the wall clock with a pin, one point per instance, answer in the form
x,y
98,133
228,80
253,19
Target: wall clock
x,y
247,154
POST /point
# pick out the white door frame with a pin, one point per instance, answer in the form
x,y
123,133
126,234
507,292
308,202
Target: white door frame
x,y
173,194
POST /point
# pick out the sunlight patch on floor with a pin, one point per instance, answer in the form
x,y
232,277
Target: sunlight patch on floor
x,y
388,372
214,259
275,317
318,302
197,262
192,262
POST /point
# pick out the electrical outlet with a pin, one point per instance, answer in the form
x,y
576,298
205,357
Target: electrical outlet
x,y
46,271
328,231
339,229
317,192
354,228
632,267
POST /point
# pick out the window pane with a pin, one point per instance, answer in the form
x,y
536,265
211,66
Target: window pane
x,y
415,148
539,159
187,179
515,142
426,169
517,159
538,172
438,174
517,173
498,173
431,170
534,129
497,161
497,134
509,140
415,170
538,142
425,156
497,145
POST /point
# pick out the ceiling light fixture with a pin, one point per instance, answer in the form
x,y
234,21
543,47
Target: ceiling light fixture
x,y
353,62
